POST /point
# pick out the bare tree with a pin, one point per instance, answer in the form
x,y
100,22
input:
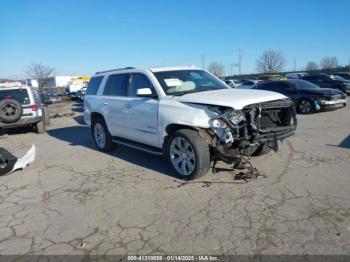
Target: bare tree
x,y
271,61
311,66
40,73
217,68
329,62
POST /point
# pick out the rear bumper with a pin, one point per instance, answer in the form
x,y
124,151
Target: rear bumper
x,y
21,122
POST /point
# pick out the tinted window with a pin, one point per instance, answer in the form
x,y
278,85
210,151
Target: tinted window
x,y
267,86
306,85
276,86
21,95
310,77
139,81
117,85
94,84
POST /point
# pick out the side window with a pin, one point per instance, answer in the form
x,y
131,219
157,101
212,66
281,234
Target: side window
x,y
286,87
267,86
94,84
117,85
139,81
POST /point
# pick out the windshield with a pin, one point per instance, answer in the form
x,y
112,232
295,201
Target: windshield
x,y
336,77
182,82
302,84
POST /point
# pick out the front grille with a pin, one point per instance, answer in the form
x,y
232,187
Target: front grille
x,y
270,116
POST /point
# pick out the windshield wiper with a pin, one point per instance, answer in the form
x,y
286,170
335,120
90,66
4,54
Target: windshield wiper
x,y
184,93
194,91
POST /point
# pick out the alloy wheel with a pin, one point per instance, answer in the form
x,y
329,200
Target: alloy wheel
x,y
182,156
100,135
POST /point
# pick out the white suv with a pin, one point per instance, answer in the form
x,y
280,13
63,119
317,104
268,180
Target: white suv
x,y
187,114
22,106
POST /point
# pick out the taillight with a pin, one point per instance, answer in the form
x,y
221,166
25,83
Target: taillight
x,y
34,107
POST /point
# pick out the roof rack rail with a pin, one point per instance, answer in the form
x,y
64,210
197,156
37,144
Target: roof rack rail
x,y
117,69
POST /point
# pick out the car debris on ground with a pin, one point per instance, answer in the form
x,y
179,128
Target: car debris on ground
x,y
10,163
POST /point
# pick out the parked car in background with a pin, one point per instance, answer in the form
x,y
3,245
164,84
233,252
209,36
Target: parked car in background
x,y
234,83
187,114
22,106
247,84
325,81
306,96
48,98
295,75
270,77
81,94
344,75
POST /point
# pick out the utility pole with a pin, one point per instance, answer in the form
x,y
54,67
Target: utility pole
x,y
240,52
203,61
294,64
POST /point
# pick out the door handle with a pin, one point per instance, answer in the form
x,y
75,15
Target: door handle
x,y
128,106
105,103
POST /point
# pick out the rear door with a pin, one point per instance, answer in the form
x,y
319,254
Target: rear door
x,y
141,113
115,99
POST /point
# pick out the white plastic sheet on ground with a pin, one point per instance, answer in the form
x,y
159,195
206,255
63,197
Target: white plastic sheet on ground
x,y
27,159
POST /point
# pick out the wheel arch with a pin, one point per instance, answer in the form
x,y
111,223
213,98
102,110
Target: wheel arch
x,y
172,128
96,115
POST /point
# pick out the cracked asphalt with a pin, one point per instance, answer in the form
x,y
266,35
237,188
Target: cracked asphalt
x,y
76,200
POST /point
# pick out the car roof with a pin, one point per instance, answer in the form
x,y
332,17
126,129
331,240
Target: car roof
x,y
152,69
171,68
15,87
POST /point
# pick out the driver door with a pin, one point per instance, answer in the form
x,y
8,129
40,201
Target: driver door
x,y
141,113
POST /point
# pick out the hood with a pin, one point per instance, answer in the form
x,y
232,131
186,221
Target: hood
x,y
235,98
323,91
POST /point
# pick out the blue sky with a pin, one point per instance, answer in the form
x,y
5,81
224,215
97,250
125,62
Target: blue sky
x,y
83,36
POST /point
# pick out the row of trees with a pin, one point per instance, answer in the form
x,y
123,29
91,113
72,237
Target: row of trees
x,y
326,63
272,61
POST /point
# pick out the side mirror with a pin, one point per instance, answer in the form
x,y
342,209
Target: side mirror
x,y
144,92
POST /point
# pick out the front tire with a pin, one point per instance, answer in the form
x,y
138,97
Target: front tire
x,y
188,154
305,106
101,135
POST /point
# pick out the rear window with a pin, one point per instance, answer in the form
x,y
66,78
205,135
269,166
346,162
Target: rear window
x,y
117,85
94,84
21,95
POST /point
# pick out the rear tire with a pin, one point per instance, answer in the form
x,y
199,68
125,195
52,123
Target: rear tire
x,y
188,154
10,110
101,135
40,127
46,116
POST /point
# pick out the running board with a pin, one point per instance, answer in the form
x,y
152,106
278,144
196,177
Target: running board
x,y
145,148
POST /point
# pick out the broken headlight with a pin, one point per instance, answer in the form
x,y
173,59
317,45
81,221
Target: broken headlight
x,y
221,130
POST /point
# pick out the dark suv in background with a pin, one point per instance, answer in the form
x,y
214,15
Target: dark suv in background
x,y
344,75
325,81
306,96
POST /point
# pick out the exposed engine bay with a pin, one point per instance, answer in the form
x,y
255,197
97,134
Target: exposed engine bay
x,y
241,132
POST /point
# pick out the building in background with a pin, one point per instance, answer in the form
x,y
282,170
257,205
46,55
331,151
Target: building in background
x,y
10,83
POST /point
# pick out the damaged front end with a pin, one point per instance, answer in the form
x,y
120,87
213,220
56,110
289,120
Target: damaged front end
x,y
241,132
